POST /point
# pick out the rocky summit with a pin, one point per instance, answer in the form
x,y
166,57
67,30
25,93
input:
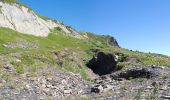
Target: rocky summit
x,y
44,59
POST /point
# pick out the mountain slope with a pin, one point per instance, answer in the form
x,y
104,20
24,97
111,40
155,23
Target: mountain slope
x,y
50,67
43,59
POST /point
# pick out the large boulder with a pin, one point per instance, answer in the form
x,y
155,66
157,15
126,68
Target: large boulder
x,y
102,64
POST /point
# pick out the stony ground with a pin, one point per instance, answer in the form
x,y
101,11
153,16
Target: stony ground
x,y
119,88
48,84
54,84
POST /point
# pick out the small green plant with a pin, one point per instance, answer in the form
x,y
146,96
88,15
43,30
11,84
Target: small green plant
x,y
84,98
154,94
120,66
0,9
18,66
20,69
26,59
139,93
56,30
6,76
78,70
130,78
13,86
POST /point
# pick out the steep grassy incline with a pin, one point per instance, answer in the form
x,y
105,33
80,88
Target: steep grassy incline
x,y
36,52
28,53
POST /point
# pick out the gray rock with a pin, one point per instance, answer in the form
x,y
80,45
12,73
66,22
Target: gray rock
x,y
112,41
108,88
95,90
21,43
147,72
9,67
166,97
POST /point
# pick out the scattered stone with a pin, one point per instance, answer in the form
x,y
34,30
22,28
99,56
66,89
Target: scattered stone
x,y
166,97
59,85
163,88
95,90
154,84
9,67
149,87
67,91
21,43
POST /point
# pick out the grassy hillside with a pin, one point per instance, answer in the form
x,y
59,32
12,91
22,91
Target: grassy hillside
x,y
9,1
15,1
28,53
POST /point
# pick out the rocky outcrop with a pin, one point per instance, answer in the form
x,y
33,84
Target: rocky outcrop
x,y
21,43
103,64
147,72
24,20
112,41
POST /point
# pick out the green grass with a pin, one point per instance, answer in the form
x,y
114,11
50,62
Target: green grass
x,y
31,58
9,1
96,40
15,1
81,71
52,42
143,58
148,60
34,58
6,76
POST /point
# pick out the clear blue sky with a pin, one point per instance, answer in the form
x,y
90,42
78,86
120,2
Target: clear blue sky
x,y
137,24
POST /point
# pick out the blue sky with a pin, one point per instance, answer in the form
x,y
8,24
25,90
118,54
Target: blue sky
x,y
142,25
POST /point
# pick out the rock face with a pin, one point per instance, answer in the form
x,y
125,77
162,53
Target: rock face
x,y
112,41
147,72
24,20
103,64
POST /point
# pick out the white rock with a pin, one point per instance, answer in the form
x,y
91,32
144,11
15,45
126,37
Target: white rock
x,y
67,91
28,87
109,87
24,20
18,60
64,82
100,88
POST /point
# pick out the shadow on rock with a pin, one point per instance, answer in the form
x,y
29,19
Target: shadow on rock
x,y
147,72
102,64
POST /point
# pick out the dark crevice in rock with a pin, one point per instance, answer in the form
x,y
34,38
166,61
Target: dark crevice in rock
x,y
102,64
138,73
